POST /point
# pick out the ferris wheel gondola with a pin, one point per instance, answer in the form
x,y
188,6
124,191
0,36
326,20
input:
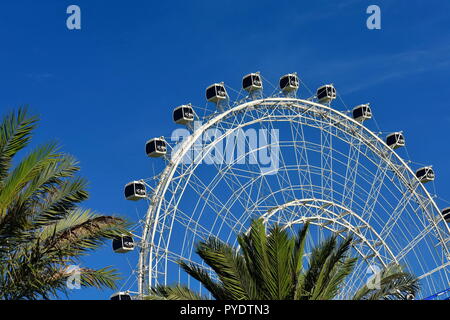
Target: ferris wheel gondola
x,y
135,190
183,114
362,113
252,82
289,83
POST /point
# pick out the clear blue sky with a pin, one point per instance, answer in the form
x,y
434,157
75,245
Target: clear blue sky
x,y
104,90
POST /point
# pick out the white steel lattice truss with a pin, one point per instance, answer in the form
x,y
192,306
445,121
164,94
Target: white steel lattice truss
x,y
333,172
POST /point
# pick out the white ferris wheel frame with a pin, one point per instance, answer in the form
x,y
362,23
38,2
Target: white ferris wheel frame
x,y
337,119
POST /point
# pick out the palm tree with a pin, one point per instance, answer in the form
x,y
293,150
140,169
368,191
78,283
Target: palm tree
x,y
43,231
269,266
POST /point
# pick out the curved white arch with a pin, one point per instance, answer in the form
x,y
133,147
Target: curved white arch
x,y
324,205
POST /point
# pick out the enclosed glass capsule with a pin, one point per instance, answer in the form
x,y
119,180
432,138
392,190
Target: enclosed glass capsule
x,y
326,93
120,296
289,82
425,174
135,190
123,244
183,114
395,140
216,92
446,214
156,147
252,82
362,113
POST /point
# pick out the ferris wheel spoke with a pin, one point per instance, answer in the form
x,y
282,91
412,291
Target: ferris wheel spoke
x,y
240,191
413,243
172,211
192,225
232,174
236,196
301,157
213,204
398,211
212,201
292,143
375,188
326,152
217,207
429,214
437,269
263,187
282,177
164,253
351,172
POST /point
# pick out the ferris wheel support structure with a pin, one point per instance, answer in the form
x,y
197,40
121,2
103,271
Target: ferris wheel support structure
x,y
334,120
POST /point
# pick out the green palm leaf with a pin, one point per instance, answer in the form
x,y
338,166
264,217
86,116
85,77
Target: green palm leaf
x,y
15,134
200,274
227,264
173,293
42,230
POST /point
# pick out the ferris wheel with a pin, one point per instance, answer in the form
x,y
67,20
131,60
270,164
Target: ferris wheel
x,y
289,160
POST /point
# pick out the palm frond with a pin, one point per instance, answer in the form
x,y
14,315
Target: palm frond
x,y
15,134
279,253
336,279
254,250
102,278
80,231
297,257
176,292
25,172
42,229
200,274
318,259
228,265
394,284
61,201
335,260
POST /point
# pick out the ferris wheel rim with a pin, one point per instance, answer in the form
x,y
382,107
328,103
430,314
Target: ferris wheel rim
x,y
175,160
